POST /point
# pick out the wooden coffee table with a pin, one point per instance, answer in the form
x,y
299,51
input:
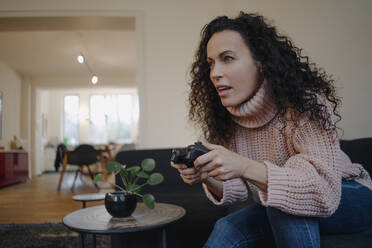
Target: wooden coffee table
x,y
96,220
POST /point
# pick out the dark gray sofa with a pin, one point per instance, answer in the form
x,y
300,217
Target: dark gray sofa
x,y
194,228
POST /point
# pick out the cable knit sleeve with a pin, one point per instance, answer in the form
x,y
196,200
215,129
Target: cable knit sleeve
x,y
233,190
309,183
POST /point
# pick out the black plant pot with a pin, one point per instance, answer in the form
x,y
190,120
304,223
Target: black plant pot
x,y
120,204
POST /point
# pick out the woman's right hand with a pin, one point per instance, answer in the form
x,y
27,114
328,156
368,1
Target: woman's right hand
x,y
190,175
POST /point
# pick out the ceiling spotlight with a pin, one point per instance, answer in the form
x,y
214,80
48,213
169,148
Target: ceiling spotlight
x,y
94,79
80,59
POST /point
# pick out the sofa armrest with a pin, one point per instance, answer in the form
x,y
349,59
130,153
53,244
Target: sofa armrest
x,y
359,151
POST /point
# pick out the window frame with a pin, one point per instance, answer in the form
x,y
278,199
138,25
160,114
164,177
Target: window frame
x,y
134,120
64,119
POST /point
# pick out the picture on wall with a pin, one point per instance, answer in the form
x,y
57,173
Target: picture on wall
x,y
1,114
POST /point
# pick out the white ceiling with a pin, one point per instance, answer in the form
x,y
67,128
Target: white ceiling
x,y
48,47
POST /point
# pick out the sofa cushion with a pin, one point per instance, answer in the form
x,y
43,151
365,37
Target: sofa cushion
x,y
359,240
162,160
359,151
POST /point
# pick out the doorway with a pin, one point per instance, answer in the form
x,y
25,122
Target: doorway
x,y
43,51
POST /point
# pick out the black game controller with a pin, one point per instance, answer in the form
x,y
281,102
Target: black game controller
x,y
188,155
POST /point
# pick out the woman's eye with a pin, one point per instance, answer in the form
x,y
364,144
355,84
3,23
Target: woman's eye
x,y
210,63
228,58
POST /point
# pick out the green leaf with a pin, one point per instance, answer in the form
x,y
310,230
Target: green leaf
x,y
123,176
155,179
134,170
143,174
148,164
149,201
136,188
113,166
97,178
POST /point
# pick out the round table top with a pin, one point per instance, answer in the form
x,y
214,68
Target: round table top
x,y
97,220
89,197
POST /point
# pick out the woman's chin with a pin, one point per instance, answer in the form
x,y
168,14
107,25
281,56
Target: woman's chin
x,y
229,103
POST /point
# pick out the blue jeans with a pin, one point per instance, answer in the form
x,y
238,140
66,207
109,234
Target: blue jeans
x,y
258,226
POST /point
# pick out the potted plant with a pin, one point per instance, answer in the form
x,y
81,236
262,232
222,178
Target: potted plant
x,y
122,203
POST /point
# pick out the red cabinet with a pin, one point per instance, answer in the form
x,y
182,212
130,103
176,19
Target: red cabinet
x,y
13,167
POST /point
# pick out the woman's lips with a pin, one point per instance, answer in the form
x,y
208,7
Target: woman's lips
x,y
223,91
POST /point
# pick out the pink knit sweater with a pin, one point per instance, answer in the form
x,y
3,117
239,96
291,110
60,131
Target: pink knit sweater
x,y
305,164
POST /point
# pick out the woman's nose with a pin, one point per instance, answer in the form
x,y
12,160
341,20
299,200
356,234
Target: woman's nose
x,y
216,72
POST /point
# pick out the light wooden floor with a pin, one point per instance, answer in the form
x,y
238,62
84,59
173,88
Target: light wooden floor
x,y
37,200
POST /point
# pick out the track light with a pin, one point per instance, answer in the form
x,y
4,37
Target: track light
x,y
94,79
80,59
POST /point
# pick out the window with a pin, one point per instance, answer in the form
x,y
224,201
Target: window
x,y
112,118
71,119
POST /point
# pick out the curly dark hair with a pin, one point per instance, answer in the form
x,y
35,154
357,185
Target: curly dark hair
x,y
294,83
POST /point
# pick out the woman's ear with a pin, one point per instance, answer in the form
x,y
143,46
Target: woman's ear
x,y
259,66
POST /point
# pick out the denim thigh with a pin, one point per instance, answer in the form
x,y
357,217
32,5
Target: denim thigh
x,y
354,213
247,227
291,231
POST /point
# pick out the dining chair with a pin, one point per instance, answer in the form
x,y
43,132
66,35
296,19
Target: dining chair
x,y
82,155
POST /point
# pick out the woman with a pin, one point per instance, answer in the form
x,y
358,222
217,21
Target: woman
x,y
268,116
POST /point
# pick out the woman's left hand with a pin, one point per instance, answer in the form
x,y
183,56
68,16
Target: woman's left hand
x,y
221,163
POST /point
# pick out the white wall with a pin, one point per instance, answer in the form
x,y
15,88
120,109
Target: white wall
x,y
171,35
335,33
40,141
26,113
10,85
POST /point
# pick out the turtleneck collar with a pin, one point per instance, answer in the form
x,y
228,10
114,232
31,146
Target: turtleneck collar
x,y
256,111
